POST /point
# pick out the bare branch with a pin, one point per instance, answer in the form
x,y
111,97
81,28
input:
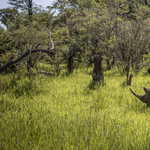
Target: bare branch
x,y
11,62
37,45
28,52
52,44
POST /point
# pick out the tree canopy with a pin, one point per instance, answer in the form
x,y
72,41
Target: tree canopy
x,y
117,30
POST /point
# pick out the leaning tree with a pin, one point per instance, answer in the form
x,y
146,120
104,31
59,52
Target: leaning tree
x,y
25,45
132,42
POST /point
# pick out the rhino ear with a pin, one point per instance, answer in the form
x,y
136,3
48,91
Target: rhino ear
x,y
145,89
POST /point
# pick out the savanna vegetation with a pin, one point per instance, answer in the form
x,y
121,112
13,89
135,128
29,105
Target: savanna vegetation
x,y
65,74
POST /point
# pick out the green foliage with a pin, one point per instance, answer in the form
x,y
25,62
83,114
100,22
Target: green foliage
x,y
20,84
116,29
7,15
19,41
146,60
6,43
44,17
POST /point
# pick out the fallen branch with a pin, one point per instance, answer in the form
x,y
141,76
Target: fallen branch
x,y
45,72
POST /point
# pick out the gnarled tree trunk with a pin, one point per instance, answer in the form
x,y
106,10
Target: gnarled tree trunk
x,y
98,69
71,59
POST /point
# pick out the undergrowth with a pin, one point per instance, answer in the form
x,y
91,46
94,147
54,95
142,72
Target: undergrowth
x,y
69,112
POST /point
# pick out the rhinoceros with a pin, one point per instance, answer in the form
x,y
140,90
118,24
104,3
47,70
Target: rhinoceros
x,y
144,98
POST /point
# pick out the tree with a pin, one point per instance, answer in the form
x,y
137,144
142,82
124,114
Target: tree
x,y
132,40
7,15
25,45
23,5
44,17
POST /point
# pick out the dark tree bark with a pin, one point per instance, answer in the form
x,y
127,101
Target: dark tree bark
x,y
146,2
113,61
30,10
71,59
98,69
129,78
57,69
31,63
128,69
108,65
148,70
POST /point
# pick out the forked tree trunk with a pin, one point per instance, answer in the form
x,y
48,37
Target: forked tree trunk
x,y
130,79
98,69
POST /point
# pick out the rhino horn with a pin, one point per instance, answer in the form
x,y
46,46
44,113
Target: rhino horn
x,y
138,96
145,89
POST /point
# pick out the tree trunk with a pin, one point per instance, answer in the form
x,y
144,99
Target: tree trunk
x,y
30,10
113,61
30,63
57,69
128,69
129,79
98,69
71,59
108,65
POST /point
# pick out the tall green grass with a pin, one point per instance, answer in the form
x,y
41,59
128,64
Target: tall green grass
x,y
67,112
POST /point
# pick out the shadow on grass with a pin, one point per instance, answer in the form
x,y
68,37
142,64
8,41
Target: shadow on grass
x,y
124,84
145,73
66,74
93,85
136,106
28,91
140,108
89,72
7,105
22,87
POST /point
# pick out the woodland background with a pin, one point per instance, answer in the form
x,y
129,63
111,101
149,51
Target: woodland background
x,y
65,74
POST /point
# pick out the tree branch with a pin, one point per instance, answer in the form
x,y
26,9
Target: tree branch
x,y
45,72
11,62
52,44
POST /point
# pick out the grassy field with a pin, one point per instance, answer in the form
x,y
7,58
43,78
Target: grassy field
x,y
68,113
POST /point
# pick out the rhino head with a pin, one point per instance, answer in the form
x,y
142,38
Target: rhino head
x,y
144,98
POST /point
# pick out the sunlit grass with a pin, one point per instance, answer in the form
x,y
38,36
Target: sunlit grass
x,y
66,112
